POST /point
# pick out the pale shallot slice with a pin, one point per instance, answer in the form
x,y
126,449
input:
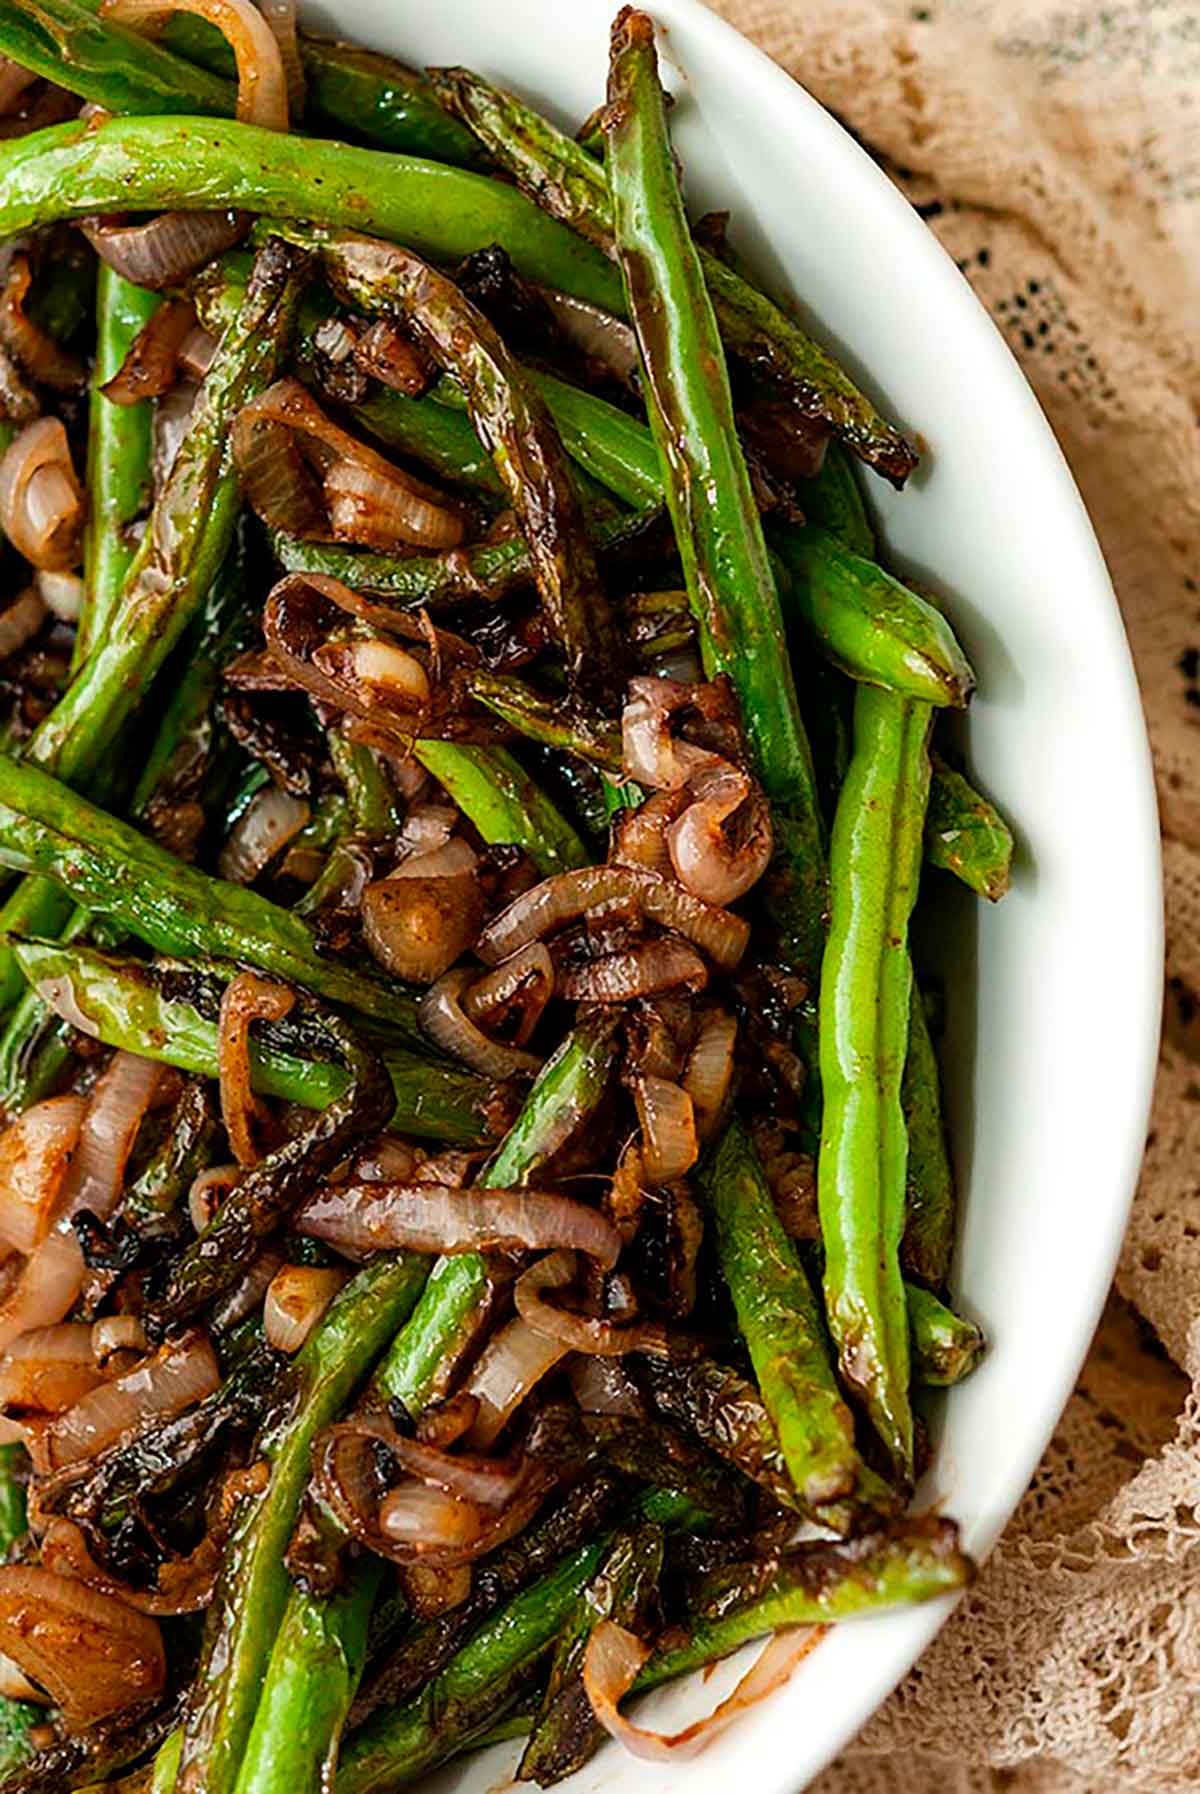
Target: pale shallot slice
x,y
35,1150
247,998
429,1217
511,1364
167,250
444,1019
513,997
41,500
179,1374
110,1125
578,1332
669,1143
614,1657
296,1300
569,895
645,970
709,1070
49,1369
262,83
271,819
46,1289
722,843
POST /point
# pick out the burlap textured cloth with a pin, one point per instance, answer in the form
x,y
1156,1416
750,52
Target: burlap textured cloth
x,y
1054,147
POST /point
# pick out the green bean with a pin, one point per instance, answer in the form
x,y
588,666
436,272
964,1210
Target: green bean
x,y
473,1691
945,1346
726,1413
566,1732
869,625
931,1210
166,1764
187,538
505,805
169,1013
866,985
253,1592
832,502
561,175
511,419
614,447
552,723
151,164
120,440
112,66
915,1560
314,1669
712,506
153,1199
109,866
444,440
780,1322
966,835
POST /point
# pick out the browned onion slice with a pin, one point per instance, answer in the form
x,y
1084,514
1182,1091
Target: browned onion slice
x,y
388,356
722,843
117,1333
49,1369
34,1153
487,1482
92,1653
428,1519
594,332
246,998
296,1299
510,1365
370,500
47,1287
569,895
151,362
578,1332
669,1143
42,358
709,1070
281,18
60,593
184,1585
650,753
178,1375
417,927
642,971
165,251
41,500
443,1018
513,998
640,836
611,1663
262,85
430,1217
272,818
604,1386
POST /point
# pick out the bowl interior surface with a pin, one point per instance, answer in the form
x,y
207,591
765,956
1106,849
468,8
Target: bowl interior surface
x,y
1052,997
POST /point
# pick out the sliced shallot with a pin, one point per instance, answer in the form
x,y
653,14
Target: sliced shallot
x,y
722,843
91,1653
445,1021
669,1143
428,1217
41,500
611,1663
262,83
106,1136
179,1374
512,998
152,359
296,1299
569,895
271,819
35,1150
577,1332
247,998
49,1369
709,1070
165,251
642,971
512,1362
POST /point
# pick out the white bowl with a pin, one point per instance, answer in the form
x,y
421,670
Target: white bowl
x,y
1053,996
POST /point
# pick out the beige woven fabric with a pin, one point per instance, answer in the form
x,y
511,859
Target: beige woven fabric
x,y
1054,146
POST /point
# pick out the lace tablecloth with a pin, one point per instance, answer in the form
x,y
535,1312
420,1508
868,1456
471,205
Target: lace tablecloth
x,y
1054,147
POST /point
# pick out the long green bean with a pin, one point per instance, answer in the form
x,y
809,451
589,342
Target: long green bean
x,y
931,1212
120,439
564,178
109,64
779,1320
864,1013
252,1597
170,1014
151,164
504,803
717,526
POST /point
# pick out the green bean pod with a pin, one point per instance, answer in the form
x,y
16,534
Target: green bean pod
x,y
717,527
780,1322
504,803
253,1592
120,441
966,835
169,1013
109,64
945,1346
866,982
932,1210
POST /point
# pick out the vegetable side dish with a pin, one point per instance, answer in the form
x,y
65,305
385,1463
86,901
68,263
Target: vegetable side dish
x,y
475,1214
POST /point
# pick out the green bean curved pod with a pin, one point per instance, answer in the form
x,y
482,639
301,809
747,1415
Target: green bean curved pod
x,y
717,526
916,1560
443,440
475,1689
121,1002
945,1346
552,723
152,164
565,178
120,441
780,1322
109,64
866,982
497,794
869,624
966,835
614,447
928,1241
